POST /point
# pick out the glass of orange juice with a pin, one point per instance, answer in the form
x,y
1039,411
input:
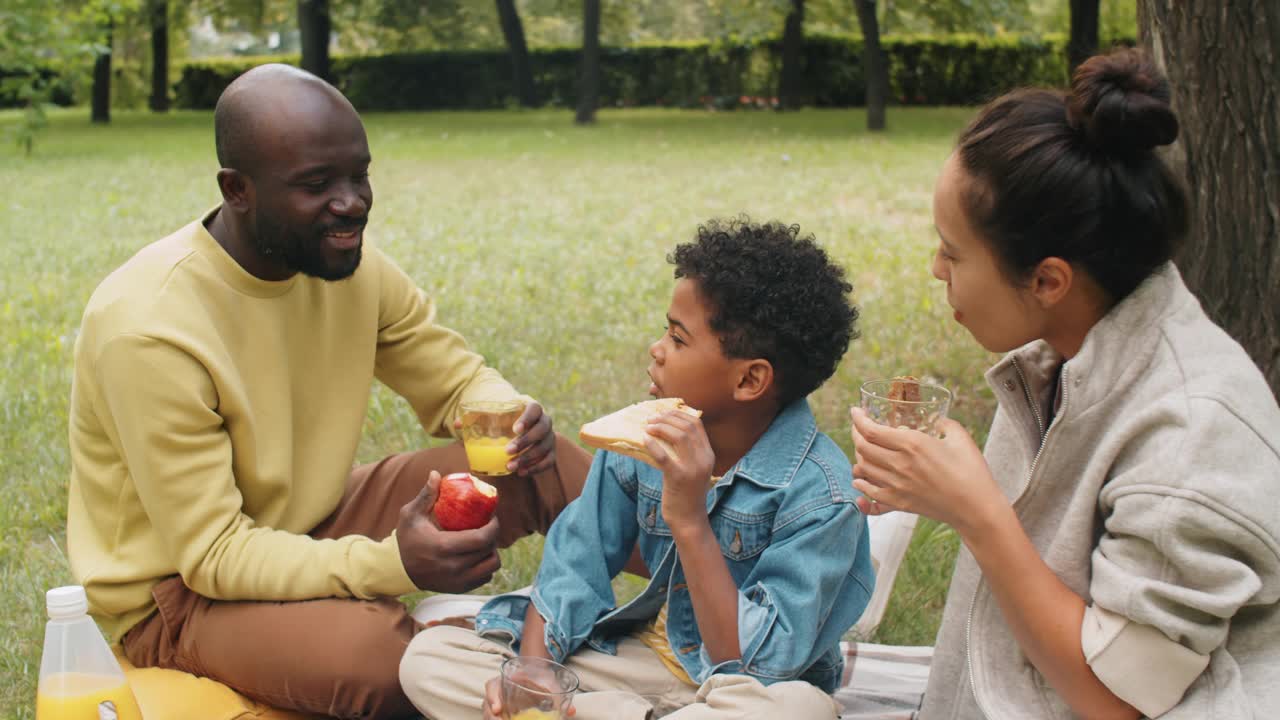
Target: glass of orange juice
x,y
536,689
486,432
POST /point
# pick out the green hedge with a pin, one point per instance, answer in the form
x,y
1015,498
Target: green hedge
x,y
14,83
932,70
924,70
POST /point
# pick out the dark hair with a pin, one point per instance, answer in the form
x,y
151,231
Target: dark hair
x,y
774,294
1076,176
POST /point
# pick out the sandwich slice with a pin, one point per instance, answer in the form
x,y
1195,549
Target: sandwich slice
x,y
624,431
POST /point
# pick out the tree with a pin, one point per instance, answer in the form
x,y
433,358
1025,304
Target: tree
x,y
792,73
314,27
374,26
159,101
513,31
589,87
875,64
50,49
1084,31
101,105
1221,59
32,45
982,16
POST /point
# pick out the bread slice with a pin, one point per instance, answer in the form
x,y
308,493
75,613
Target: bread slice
x,y
624,431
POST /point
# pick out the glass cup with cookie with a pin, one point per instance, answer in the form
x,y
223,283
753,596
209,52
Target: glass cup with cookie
x,y
907,402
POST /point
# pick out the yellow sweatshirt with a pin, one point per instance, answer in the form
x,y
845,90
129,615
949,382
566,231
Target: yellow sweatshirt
x,y
215,417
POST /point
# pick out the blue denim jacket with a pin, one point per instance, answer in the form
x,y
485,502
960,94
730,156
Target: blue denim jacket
x,y
791,535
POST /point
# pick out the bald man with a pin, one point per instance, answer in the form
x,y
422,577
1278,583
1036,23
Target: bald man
x,y
221,380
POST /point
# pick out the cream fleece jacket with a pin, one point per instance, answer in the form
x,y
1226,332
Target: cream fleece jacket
x,y
1155,495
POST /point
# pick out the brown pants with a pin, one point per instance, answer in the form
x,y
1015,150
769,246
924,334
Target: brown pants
x,y
335,656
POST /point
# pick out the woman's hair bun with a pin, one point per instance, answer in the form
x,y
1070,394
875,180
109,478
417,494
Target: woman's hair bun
x,y
1119,103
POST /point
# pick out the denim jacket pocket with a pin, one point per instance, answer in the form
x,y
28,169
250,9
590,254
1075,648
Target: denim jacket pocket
x,y
742,536
649,510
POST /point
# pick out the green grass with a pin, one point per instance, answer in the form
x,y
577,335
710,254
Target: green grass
x,y
545,246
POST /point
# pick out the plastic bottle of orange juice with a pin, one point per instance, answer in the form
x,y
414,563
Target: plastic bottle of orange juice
x,y
79,677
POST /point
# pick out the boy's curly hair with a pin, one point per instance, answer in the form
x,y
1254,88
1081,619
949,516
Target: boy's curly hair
x,y
774,294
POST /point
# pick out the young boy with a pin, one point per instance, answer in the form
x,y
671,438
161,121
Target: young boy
x,y
757,553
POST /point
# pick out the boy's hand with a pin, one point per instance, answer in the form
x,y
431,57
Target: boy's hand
x,y
685,478
493,699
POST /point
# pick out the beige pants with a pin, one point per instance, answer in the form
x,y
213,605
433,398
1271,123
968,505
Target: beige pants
x,y
445,670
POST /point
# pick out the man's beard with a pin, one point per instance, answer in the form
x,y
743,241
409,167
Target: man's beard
x,y
304,251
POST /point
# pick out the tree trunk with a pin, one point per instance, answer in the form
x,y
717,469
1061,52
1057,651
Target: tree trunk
x,y
521,72
100,111
589,88
1223,61
1084,32
314,27
792,49
159,56
874,63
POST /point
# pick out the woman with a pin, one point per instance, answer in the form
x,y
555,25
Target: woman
x,y
1122,533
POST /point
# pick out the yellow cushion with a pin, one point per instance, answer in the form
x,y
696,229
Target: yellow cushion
x,y
175,695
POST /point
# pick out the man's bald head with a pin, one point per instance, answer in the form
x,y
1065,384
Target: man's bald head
x,y
259,97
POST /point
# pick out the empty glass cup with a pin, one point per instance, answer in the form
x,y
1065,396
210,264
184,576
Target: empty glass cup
x,y
536,689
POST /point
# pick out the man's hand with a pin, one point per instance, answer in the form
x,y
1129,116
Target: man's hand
x,y
441,561
686,478
535,443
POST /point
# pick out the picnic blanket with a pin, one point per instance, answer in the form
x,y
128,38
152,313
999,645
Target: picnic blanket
x,y
882,682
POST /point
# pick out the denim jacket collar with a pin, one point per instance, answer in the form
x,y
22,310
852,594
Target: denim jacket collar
x,y
775,458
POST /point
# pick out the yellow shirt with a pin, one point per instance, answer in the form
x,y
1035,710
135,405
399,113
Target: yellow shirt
x,y
215,417
654,634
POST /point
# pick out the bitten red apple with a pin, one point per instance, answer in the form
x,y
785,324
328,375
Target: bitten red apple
x,y
465,502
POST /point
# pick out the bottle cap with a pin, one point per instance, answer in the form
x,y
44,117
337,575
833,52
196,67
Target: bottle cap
x,y
66,601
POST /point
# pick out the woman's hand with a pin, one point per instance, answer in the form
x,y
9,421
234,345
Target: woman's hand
x,y
944,479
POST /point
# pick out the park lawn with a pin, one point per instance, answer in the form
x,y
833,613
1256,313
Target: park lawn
x,y
543,243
